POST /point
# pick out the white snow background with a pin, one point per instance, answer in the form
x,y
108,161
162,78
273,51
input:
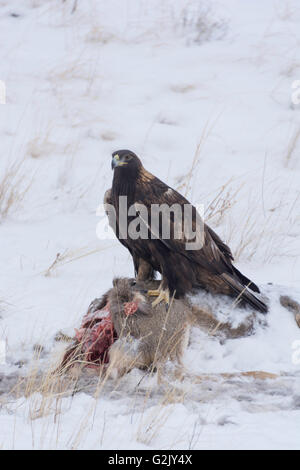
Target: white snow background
x,y
203,92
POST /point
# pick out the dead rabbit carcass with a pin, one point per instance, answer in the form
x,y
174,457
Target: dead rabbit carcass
x,y
124,330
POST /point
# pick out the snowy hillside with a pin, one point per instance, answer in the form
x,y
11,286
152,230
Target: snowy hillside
x,y
208,95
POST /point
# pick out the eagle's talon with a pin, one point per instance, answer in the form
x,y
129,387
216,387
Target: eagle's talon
x,y
153,292
163,296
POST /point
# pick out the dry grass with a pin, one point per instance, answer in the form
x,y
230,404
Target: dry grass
x,y
221,203
77,69
183,88
98,35
12,188
48,395
68,256
49,399
264,238
41,145
81,68
185,181
292,147
152,421
250,233
200,24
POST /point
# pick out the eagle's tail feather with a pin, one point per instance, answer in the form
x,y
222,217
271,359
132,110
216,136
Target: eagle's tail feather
x,y
245,281
244,293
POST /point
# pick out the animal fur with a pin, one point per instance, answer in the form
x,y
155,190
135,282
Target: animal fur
x,y
149,336
291,305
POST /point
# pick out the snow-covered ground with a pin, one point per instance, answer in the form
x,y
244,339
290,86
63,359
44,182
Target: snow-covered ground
x,y
205,96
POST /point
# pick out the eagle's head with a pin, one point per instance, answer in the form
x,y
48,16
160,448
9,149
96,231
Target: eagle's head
x,y
125,160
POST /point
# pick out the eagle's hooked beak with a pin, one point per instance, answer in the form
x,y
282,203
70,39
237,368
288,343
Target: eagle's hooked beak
x,y
117,162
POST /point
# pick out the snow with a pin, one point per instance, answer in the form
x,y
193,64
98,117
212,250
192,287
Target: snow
x,y
138,74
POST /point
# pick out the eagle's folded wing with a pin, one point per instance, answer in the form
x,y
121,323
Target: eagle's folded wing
x,y
212,254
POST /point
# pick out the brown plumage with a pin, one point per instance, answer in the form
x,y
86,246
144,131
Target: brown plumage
x,y
209,267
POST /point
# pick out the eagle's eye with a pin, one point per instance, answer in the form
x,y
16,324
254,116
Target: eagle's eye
x,y
127,157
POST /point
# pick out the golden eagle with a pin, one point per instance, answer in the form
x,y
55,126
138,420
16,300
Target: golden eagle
x,y
209,266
